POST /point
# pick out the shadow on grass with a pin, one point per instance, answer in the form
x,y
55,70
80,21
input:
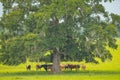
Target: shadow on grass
x,y
43,73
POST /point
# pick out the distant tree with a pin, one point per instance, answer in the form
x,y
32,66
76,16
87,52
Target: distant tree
x,y
70,27
116,21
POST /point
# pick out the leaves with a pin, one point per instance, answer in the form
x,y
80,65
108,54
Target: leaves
x,y
72,27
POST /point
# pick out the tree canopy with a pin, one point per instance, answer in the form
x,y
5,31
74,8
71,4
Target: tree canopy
x,y
73,28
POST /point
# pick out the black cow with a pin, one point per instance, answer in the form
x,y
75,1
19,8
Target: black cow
x,y
47,66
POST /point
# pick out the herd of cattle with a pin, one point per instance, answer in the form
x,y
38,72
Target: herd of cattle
x,y
65,67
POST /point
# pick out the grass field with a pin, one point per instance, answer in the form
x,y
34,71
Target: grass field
x,y
81,75
109,70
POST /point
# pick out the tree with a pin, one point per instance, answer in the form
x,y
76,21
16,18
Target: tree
x,y
18,49
116,21
70,27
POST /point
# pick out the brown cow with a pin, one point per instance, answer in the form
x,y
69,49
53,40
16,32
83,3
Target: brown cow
x,y
83,66
62,66
28,67
38,67
72,66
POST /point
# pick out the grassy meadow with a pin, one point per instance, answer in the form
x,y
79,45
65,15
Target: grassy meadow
x,y
109,70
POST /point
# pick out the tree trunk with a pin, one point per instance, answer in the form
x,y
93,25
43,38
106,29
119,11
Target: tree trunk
x,y
56,62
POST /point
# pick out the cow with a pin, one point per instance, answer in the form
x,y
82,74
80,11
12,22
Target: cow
x,y
28,67
62,66
38,67
72,66
47,67
83,66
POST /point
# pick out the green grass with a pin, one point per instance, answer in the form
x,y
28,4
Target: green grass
x,y
68,75
109,70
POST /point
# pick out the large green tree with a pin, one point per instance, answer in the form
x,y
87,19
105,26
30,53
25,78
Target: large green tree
x,y
73,28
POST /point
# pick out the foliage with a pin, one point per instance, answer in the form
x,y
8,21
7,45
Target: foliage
x,y
18,49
